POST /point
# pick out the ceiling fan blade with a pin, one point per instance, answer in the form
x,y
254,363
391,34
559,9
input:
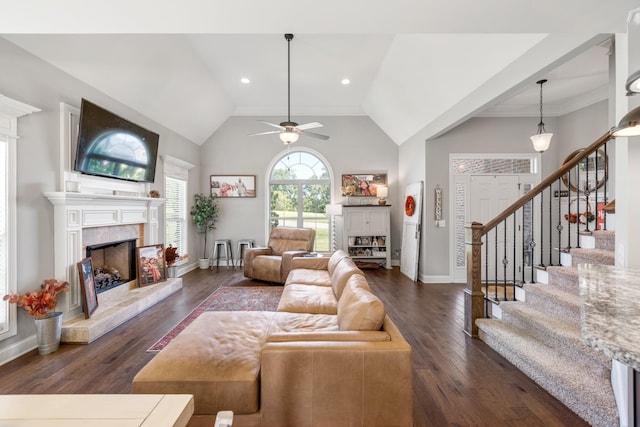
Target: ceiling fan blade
x,y
265,133
311,125
272,124
315,135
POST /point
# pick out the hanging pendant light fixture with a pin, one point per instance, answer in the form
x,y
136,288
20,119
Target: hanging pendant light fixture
x,y
542,139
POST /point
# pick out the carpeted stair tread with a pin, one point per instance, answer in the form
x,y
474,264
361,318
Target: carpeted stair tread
x,y
565,278
592,256
553,331
551,299
604,239
585,390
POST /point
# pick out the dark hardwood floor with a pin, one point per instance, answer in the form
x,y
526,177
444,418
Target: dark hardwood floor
x,y
458,381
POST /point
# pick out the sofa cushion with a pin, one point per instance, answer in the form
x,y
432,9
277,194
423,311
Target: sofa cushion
x,y
216,358
298,298
283,322
358,308
307,276
335,258
344,269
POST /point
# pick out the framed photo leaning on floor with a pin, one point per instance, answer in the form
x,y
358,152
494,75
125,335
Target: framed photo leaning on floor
x,y
88,287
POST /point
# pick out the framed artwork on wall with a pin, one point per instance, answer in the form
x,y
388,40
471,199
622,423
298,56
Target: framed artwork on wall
x,y
362,185
87,287
227,186
151,265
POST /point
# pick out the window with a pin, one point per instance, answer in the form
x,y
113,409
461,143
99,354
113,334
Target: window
x,y
10,110
299,190
176,176
5,179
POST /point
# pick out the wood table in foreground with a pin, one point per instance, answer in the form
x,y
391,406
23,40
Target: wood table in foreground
x,y
96,410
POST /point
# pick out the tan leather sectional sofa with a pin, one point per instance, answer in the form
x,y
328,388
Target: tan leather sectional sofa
x,y
330,356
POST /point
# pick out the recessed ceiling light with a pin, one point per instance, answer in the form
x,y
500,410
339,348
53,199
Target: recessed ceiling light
x,y
245,80
345,81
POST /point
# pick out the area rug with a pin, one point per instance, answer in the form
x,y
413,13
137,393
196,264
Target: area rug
x,y
227,298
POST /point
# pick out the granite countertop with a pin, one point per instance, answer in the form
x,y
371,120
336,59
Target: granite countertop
x,y
610,311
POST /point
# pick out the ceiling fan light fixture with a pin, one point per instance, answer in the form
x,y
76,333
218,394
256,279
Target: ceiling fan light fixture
x,y
290,131
542,139
289,137
633,84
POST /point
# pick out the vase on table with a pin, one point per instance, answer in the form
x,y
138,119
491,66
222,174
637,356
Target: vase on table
x,y
48,332
172,271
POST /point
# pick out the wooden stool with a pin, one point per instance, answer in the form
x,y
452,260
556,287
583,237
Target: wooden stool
x,y
244,243
228,255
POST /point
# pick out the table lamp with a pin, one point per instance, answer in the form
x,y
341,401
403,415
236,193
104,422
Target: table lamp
x,y
382,192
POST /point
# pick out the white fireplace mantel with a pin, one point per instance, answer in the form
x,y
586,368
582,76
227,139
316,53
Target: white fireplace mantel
x,y
75,211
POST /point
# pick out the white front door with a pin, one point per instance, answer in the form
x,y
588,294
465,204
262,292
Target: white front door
x,y
411,227
489,195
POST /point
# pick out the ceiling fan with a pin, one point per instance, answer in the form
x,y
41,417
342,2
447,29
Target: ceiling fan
x,y
290,131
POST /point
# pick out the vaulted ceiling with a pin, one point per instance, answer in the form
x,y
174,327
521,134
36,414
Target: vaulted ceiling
x,y
414,66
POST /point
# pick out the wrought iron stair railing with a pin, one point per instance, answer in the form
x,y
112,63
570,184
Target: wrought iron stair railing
x,y
531,233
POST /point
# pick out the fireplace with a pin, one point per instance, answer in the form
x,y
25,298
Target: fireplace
x,y
114,263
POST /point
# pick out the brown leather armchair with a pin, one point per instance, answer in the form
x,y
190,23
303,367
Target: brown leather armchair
x,y
272,264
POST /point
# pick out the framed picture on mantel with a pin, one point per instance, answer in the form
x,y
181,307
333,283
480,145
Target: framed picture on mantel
x,y
362,185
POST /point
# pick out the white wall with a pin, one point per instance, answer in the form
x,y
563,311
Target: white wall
x,y
35,82
356,145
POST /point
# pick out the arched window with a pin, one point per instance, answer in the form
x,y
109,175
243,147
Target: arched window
x,y
299,190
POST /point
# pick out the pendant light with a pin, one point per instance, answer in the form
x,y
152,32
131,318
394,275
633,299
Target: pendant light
x,y
542,139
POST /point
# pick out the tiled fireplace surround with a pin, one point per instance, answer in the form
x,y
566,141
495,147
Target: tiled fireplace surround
x,y
89,219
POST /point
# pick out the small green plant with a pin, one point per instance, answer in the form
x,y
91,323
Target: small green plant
x,y
204,213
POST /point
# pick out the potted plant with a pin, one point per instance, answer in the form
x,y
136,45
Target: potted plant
x,y
204,213
41,306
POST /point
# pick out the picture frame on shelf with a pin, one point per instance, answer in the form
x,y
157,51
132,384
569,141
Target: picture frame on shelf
x,y
87,287
233,186
363,185
151,265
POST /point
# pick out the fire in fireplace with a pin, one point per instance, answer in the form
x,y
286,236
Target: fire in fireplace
x,y
114,263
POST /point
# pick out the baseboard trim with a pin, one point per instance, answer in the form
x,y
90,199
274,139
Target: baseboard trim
x,y
17,349
434,279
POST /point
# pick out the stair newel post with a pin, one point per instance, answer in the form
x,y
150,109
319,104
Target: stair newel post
x,y
569,210
473,296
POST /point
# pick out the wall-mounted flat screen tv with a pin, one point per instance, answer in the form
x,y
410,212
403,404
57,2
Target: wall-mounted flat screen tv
x,y
113,147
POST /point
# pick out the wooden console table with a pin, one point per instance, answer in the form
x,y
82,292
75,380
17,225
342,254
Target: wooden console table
x,y
96,410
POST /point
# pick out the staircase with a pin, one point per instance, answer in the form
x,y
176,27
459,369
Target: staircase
x,y
541,335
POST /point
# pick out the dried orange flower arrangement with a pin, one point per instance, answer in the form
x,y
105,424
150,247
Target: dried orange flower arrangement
x,y
39,304
171,255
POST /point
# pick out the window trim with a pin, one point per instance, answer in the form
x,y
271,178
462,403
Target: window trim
x,y
10,111
177,169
